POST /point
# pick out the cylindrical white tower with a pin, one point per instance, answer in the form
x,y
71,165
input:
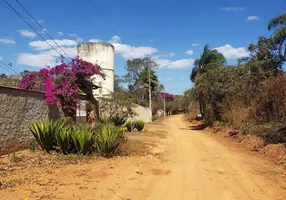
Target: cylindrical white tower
x,y
103,55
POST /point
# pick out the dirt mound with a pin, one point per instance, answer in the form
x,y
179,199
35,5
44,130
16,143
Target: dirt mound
x,y
252,142
275,150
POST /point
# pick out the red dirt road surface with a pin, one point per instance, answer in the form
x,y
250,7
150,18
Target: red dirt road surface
x,y
182,164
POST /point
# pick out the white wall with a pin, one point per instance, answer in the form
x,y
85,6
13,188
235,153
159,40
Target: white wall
x,y
103,55
143,114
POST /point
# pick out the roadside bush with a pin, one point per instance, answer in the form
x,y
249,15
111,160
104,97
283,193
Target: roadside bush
x,y
139,125
60,135
44,134
108,139
83,138
63,139
154,118
130,126
118,120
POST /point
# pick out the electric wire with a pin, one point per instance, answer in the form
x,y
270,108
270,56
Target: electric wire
x,y
43,29
14,10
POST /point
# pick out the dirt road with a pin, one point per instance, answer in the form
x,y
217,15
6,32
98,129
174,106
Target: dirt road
x,y
184,165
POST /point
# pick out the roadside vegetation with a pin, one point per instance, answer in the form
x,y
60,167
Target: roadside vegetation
x,y
249,97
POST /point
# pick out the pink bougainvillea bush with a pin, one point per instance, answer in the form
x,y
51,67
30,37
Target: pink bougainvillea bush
x,y
66,80
167,96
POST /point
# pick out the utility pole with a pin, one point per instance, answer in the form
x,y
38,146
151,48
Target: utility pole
x,y
150,96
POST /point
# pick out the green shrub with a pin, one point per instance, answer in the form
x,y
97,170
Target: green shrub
x,y
154,118
108,139
83,138
118,120
44,134
105,120
139,125
130,126
62,137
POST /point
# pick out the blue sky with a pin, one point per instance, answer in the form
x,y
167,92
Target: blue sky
x,y
173,32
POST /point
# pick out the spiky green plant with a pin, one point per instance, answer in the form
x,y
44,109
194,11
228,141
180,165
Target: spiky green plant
x,y
83,138
105,120
139,125
44,134
108,139
62,137
118,120
130,126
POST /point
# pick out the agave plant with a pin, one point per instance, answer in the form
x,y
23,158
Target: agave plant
x,y
62,137
45,131
44,134
139,125
83,138
118,120
105,120
108,139
130,126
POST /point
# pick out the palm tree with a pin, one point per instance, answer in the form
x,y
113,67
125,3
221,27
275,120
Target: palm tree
x,y
278,24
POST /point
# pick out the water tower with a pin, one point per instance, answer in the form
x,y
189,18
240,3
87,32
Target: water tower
x,y
103,55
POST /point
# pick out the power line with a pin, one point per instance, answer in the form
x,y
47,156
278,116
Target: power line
x,y
77,10
22,16
9,68
31,26
5,68
115,32
43,28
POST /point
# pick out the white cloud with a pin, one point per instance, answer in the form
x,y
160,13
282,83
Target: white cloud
x,y
79,39
182,79
130,52
7,41
41,21
42,45
169,79
235,9
231,52
195,44
36,60
115,39
72,35
60,33
27,33
252,18
177,64
172,54
189,52
94,40
1,58
71,51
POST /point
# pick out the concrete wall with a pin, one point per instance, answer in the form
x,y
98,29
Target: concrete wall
x,y
142,114
103,55
19,108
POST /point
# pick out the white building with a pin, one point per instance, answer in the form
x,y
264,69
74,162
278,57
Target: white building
x,y
103,55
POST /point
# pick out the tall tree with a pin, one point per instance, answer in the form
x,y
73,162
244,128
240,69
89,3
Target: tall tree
x,y
209,59
278,24
137,78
